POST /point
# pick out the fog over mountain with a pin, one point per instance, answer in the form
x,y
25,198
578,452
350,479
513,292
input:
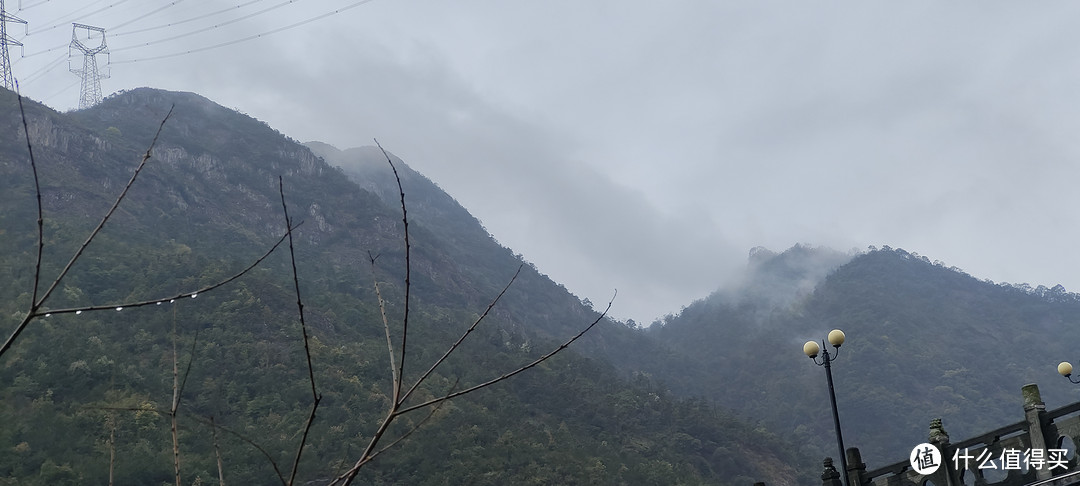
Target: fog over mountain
x,y
648,146
93,372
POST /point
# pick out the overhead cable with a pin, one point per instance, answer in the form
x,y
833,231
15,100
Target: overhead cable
x,y
204,29
32,5
173,24
136,19
245,39
74,15
43,70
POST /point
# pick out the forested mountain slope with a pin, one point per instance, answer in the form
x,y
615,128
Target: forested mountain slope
x,y
923,341
76,390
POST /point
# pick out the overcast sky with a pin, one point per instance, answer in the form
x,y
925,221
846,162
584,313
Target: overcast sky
x,y
647,146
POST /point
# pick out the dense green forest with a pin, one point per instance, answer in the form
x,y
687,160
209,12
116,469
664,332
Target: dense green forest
x,y
924,341
718,393
81,394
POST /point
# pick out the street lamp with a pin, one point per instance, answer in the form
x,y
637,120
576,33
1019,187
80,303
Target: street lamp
x,y
1065,368
811,348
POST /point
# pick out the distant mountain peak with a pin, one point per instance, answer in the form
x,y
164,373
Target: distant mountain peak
x,y
778,279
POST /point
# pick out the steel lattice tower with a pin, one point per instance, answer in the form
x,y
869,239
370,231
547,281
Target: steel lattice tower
x,y
90,94
5,41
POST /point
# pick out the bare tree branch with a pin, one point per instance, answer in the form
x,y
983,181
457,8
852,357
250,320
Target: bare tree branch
x,y
108,214
408,275
404,436
463,336
303,439
36,302
178,393
519,370
398,400
250,442
386,323
175,400
111,420
212,424
315,397
191,294
217,452
296,285
187,371
37,192
415,427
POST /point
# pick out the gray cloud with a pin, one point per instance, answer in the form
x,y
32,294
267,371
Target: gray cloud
x,y
648,146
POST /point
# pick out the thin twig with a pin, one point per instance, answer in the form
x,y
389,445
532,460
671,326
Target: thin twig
x,y
396,409
192,294
175,400
112,446
296,284
303,439
108,214
250,442
398,377
512,373
348,475
316,398
344,458
416,427
217,452
36,302
351,473
37,192
385,321
463,335
408,275
187,371
211,423
178,393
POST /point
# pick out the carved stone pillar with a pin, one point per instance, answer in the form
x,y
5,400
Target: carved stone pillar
x,y
1035,414
830,477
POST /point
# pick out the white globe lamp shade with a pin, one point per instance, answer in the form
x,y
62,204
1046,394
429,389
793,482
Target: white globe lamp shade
x,y
836,337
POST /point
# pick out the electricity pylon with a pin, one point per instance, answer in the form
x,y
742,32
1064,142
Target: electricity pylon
x,y
5,41
90,94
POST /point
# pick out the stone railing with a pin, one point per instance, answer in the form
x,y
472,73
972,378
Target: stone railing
x,y
1041,450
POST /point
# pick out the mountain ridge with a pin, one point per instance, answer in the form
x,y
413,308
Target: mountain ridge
x,y
922,342
208,204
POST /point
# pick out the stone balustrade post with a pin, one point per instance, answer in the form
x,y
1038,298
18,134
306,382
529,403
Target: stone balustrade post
x,y
830,477
856,467
1035,414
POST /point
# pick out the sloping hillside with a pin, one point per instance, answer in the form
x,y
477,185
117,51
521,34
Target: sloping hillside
x,y
83,388
923,341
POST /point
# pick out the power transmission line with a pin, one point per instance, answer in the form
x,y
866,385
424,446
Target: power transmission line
x,y
212,27
152,12
32,54
27,7
43,70
68,18
173,24
58,93
245,39
61,46
5,41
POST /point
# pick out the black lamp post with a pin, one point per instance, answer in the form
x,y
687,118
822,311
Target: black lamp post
x,y
1065,368
811,348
